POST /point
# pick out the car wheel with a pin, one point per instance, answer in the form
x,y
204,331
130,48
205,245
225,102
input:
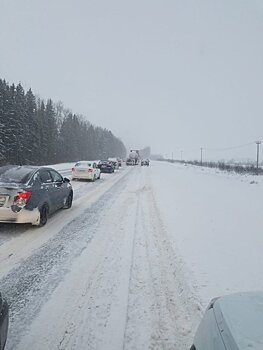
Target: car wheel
x,y
69,201
99,177
43,215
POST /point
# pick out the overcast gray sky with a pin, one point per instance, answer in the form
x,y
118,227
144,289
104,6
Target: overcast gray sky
x,y
172,74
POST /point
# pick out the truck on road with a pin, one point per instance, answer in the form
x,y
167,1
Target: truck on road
x,y
133,158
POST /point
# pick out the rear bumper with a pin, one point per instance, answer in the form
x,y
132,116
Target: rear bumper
x,y
110,170
23,217
89,176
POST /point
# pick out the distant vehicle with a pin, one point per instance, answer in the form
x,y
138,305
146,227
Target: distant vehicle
x,y
4,320
29,194
115,162
130,162
134,156
120,162
87,170
145,162
232,322
106,167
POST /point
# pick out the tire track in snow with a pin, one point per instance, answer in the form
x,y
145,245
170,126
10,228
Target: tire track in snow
x,y
160,302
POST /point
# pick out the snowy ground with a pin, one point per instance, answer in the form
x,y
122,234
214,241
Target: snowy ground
x,y
135,261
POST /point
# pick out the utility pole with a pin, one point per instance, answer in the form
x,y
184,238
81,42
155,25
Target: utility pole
x,y
201,149
258,143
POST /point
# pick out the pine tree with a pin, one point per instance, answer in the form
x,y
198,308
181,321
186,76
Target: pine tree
x,y
21,125
32,132
52,134
3,122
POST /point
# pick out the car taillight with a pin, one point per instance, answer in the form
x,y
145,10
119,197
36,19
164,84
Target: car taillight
x,y
90,170
22,198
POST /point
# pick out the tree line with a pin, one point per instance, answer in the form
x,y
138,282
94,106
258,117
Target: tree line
x,y
35,131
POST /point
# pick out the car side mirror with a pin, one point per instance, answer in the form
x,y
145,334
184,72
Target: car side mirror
x,y
66,179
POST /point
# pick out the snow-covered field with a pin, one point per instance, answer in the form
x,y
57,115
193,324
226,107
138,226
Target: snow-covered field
x,y
215,223
135,261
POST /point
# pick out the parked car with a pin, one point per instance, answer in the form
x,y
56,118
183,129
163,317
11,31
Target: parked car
x,y
232,322
29,194
87,170
145,162
115,162
4,320
106,167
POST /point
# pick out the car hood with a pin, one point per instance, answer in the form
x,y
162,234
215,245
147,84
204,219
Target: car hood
x,y
240,318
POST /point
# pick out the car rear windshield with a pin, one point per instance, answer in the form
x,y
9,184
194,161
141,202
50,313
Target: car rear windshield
x,y
15,174
83,164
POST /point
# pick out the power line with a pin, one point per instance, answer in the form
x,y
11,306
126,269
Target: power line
x,y
230,148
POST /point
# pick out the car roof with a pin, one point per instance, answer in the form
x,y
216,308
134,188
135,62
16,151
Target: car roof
x,y
240,318
86,161
26,168
29,167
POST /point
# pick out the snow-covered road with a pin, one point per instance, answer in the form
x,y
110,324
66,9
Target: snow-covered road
x,y
133,264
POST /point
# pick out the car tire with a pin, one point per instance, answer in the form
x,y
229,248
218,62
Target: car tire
x,y
69,201
99,177
43,215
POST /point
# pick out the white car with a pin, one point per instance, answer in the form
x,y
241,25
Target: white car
x,y
232,322
86,170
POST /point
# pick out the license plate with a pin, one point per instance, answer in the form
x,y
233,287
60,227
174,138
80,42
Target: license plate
x,y
2,200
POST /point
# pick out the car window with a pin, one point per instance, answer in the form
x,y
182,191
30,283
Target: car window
x,y
56,176
35,179
45,176
83,164
94,165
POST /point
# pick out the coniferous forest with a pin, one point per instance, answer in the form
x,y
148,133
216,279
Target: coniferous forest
x,y
34,131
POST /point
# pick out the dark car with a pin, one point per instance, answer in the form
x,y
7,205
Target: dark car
x,y
106,166
145,162
232,322
29,194
4,319
114,162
